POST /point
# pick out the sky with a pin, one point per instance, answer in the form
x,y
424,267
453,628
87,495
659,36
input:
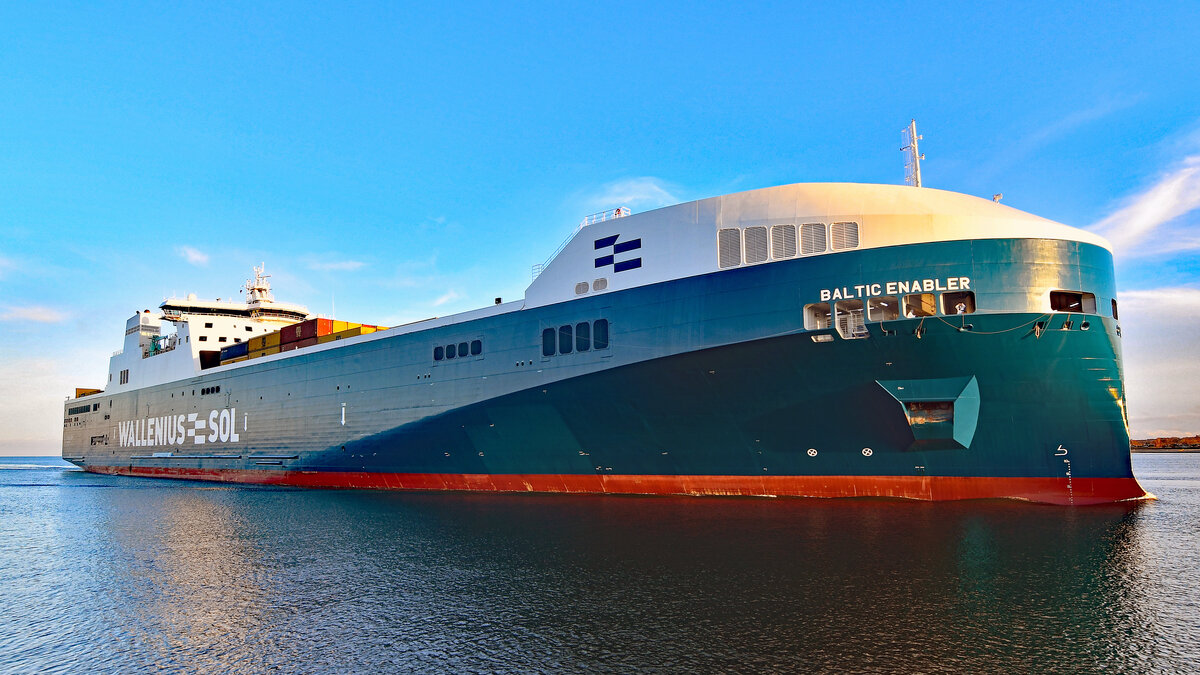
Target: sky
x,y
400,161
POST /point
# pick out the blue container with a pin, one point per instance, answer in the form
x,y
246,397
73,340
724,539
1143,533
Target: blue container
x,y
235,350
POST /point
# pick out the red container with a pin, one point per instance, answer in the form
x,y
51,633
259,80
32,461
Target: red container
x,y
298,344
305,329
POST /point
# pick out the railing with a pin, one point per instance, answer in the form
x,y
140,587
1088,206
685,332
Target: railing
x,y
611,214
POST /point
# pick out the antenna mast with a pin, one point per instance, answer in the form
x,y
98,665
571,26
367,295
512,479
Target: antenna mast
x,y
912,160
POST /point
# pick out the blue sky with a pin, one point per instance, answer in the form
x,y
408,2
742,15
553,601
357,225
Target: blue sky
x,y
407,161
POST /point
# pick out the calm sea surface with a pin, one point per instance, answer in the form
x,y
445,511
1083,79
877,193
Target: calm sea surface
x,y
103,573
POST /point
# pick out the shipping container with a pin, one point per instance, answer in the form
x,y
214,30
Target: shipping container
x,y
254,354
305,330
235,350
260,342
349,332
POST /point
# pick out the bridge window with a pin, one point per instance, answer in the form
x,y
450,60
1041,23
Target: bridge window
x,y
1073,301
962,302
783,241
548,342
919,304
883,308
439,353
817,316
463,349
812,238
565,340
729,247
600,334
476,347
845,235
451,351
583,336
756,245
1114,305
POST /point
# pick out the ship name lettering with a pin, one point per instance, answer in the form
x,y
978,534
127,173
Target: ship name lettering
x,y
169,430
897,288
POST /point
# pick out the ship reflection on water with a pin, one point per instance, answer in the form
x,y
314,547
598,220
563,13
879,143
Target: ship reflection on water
x,y
248,579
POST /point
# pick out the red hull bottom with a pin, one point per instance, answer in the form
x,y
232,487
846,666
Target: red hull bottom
x,y
1076,491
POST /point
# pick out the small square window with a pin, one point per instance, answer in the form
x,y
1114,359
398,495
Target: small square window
x,y
962,302
919,304
817,316
883,308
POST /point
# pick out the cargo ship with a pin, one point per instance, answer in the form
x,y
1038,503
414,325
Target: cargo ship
x,y
808,340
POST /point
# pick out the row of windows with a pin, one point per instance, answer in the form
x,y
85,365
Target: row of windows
x,y
125,376
91,407
204,338
462,349
249,329
753,245
850,320
597,285
581,337
210,390
849,314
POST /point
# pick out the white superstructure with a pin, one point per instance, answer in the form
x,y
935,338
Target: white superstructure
x,y
153,356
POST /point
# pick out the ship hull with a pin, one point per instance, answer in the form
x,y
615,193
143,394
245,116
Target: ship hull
x,y
771,409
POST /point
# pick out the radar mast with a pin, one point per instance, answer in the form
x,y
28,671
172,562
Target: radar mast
x,y
258,289
913,157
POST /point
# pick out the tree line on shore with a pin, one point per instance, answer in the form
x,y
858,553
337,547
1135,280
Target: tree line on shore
x,y
1185,442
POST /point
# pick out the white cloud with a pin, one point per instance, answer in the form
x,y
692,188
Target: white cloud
x,y
5,265
1175,194
645,192
35,313
193,256
450,296
337,266
1160,341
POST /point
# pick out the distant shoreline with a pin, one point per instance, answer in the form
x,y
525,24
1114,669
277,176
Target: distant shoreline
x,y
1163,451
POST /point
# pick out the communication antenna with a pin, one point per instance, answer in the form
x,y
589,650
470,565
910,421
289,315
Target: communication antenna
x,y
912,160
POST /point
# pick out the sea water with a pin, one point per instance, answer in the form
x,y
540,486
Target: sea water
x,y
115,574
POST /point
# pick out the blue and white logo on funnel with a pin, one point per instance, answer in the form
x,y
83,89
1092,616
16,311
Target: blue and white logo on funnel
x,y
610,242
